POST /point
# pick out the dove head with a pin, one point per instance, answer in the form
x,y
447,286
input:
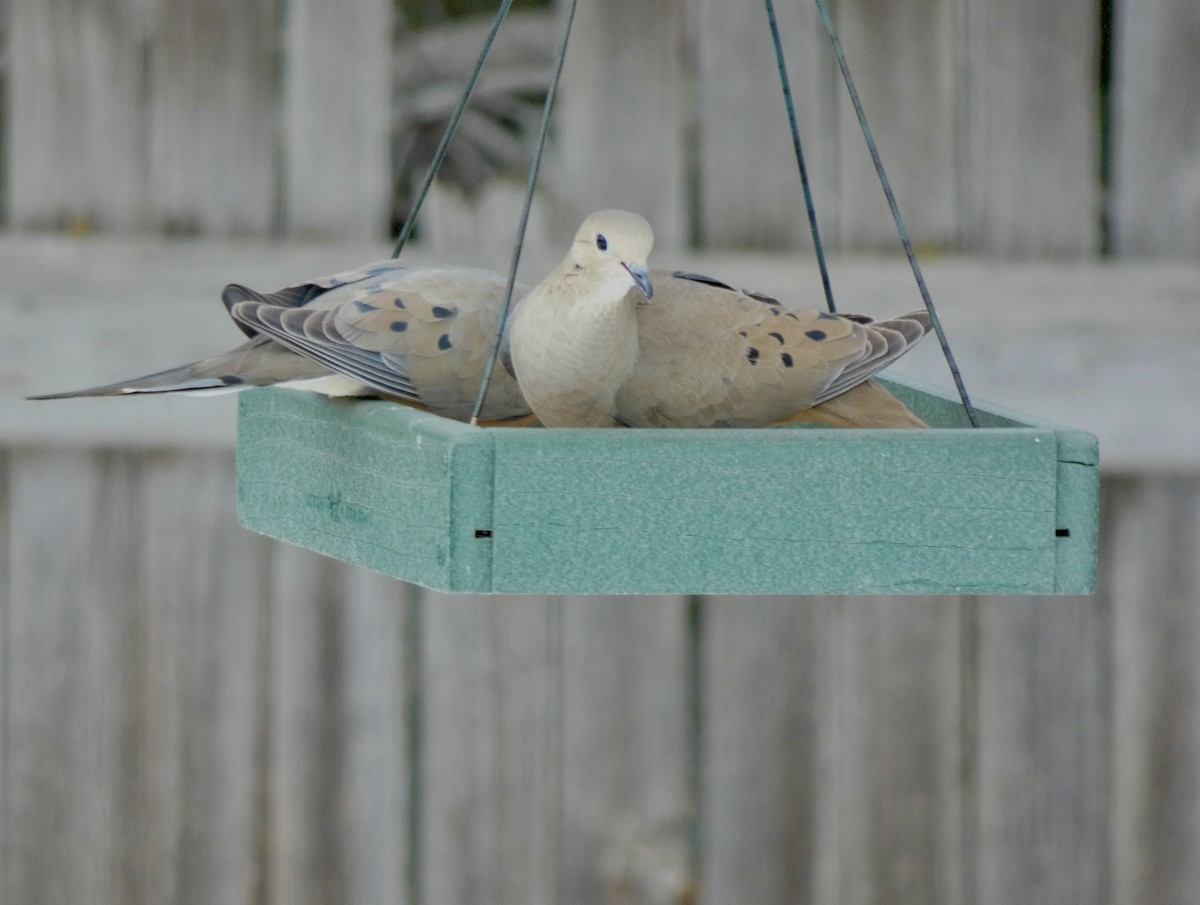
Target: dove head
x,y
615,245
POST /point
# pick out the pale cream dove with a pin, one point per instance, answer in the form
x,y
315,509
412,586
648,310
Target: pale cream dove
x,y
599,344
419,334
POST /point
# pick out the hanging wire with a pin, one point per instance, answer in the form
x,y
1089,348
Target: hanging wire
x,y
891,199
791,115
444,146
543,131
452,126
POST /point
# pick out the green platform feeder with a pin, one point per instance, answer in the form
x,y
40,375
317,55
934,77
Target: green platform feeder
x,y
1010,508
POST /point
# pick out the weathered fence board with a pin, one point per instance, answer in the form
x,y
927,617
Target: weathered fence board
x,y
339,740
900,671
1031,173
191,714
6,609
1156,133
195,715
1153,599
490,758
182,117
1060,342
70,681
305,666
337,101
1041,763
129,116
155,683
765,744
747,185
210,143
628,755
378,697
75,115
909,65
200,643
636,104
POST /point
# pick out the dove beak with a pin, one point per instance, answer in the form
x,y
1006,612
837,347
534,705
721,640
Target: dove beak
x,y
641,276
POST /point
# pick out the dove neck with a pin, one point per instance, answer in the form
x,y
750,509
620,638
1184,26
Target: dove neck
x,y
599,288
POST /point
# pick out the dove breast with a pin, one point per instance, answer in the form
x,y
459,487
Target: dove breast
x,y
575,337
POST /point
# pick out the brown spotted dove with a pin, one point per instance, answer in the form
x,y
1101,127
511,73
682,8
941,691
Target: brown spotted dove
x,y
421,335
596,344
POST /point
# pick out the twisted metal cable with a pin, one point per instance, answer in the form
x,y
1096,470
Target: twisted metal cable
x,y
543,131
891,200
444,146
791,115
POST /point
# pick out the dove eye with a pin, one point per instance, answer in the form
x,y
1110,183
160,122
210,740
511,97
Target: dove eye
x,y
601,242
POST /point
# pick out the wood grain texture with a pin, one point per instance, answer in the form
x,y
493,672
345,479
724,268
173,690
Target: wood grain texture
x,y
843,770
75,118
337,105
748,190
71,682
339,742
374,830
305,665
629,762
480,230
1155,133
1151,594
202,698
212,94
907,61
490,750
899,667
220,117
191,713
6,608
637,103
127,117
1031,128
1038,824
767,744
88,312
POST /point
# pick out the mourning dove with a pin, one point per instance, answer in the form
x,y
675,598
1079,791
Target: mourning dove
x,y
574,338
420,334
597,344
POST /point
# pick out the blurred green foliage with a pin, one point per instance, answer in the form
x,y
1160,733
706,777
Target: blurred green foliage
x,y
430,12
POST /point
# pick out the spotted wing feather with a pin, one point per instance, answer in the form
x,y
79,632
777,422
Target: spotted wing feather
x,y
422,335
711,356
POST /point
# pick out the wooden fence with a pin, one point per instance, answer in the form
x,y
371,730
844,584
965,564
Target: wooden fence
x,y
190,713
195,714
1017,128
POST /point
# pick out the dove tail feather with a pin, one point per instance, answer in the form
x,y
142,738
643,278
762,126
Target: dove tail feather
x,y
888,340
182,380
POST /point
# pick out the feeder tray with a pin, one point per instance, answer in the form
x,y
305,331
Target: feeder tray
x,y
1009,508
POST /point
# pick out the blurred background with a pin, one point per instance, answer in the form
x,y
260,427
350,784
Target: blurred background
x,y
192,713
